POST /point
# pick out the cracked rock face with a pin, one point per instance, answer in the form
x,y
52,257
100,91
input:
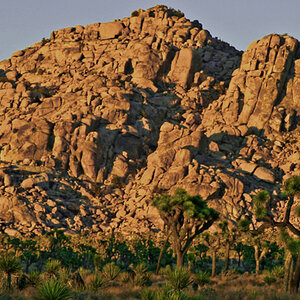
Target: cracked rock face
x,y
115,112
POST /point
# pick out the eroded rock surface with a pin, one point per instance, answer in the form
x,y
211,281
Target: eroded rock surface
x,y
97,119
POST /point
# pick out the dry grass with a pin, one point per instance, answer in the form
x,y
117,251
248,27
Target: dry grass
x,y
237,287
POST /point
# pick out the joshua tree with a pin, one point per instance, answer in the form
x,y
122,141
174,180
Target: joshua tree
x,y
228,238
185,217
262,203
212,241
254,238
9,265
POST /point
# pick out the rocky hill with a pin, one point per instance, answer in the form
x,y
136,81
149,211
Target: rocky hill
x,y
97,119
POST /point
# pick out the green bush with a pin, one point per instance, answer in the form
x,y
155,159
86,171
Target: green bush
x,y
53,290
202,278
269,278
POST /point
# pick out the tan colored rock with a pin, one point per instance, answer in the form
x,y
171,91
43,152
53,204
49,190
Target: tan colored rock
x,y
258,84
184,65
248,167
110,30
27,183
264,174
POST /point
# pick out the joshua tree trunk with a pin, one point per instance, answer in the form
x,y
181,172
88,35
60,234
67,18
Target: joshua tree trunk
x,y
288,265
179,255
227,251
258,258
257,266
296,277
162,250
213,266
9,281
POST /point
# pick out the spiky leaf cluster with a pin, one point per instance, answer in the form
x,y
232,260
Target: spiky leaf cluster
x,y
243,224
9,263
183,206
292,186
260,200
53,289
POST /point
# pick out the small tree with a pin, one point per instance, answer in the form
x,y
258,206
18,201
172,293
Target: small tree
x,y
263,202
185,217
254,238
212,241
228,239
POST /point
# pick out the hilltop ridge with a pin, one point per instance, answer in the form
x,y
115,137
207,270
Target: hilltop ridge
x,y
97,119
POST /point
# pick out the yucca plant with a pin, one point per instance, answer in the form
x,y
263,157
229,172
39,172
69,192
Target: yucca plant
x,y
53,290
34,278
63,275
147,294
97,282
278,272
52,267
97,262
269,278
111,271
125,277
141,275
178,280
9,264
164,294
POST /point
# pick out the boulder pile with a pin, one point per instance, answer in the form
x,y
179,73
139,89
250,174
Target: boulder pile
x,y
98,119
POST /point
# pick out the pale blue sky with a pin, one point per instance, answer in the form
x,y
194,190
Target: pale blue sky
x,y
238,22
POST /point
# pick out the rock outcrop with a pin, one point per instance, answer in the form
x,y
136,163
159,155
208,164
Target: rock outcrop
x,y
115,112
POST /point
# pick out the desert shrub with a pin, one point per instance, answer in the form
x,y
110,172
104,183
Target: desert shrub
x,y
3,79
117,182
125,277
135,13
96,190
208,293
141,275
269,278
52,267
97,282
147,294
151,14
97,262
165,271
63,275
278,272
178,13
161,294
34,278
53,289
111,271
202,278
